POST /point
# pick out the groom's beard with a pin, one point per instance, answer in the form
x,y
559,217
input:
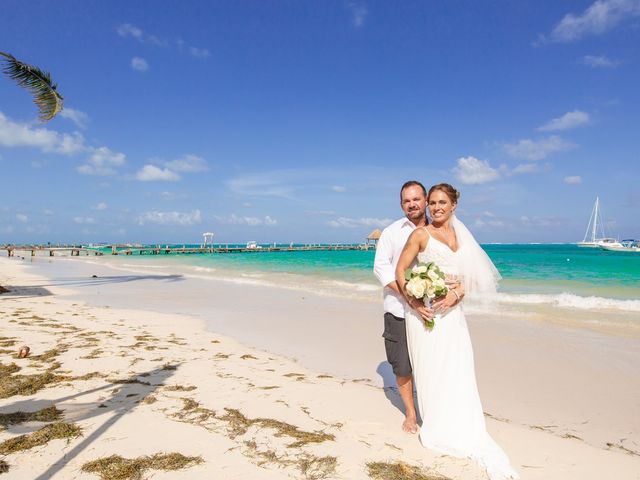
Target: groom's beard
x,y
415,215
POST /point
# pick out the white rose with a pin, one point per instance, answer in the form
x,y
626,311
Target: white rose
x,y
418,269
431,291
439,283
415,287
433,275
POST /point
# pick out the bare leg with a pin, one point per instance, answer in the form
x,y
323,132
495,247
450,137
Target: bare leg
x,y
405,387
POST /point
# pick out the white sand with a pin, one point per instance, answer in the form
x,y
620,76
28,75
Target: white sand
x,y
541,383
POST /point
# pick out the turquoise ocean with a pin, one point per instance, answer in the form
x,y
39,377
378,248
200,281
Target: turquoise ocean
x,y
562,280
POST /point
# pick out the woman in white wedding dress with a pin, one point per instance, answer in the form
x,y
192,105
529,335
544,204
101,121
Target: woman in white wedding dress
x,y
442,358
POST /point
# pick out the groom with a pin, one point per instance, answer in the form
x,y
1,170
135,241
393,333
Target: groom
x,y
413,201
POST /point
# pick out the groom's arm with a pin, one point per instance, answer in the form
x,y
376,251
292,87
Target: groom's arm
x,y
383,267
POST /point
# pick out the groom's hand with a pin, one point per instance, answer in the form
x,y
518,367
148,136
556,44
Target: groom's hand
x,y
425,312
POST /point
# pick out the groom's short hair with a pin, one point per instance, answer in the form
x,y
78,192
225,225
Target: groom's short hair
x,y
412,183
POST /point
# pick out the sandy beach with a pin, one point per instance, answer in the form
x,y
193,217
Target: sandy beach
x,y
247,381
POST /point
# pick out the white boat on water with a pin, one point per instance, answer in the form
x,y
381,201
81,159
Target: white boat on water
x,y
627,246
594,237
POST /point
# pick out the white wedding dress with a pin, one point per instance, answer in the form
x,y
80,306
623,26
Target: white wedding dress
x,y
444,374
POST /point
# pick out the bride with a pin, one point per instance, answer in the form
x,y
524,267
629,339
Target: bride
x,y
442,357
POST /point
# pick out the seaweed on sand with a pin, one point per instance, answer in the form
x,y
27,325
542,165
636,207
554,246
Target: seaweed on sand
x,y
116,467
40,437
399,471
11,385
238,424
49,414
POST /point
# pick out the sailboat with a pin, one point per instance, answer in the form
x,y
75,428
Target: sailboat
x,y
594,236
627,246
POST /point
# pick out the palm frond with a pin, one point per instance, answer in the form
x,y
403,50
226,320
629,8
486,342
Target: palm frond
x,y
39,83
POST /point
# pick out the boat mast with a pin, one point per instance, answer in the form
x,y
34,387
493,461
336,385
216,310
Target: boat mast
x,y
592,224
595,221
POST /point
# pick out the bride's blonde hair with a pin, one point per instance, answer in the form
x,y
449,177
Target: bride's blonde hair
x,y
448,190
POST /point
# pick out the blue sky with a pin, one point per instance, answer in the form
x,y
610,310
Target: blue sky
x,y
299,120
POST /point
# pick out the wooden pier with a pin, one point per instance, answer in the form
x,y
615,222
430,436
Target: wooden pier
x,y
74,251
77,250
221,249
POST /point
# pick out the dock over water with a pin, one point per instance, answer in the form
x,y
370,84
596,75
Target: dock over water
x,y
77,250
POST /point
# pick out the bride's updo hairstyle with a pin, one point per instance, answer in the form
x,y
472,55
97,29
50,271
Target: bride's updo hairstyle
x,y
448,190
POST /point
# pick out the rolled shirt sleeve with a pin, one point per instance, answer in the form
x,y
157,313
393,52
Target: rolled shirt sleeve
x,y
383,265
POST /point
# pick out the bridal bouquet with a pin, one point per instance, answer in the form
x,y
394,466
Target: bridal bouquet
x,y
426,281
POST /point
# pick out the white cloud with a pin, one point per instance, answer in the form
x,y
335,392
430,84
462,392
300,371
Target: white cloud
x,y
480,223
338,188
100,206
151,173
600,17
22,217
84,220
48,212
537,149
526,168
102,162
599,61
234,219
188,163
139,64
270,184
472,171
6,229
15,134
543,221
359,12
569,120
346,222
127,30
81,119
199,52
172,195
171,218
573,180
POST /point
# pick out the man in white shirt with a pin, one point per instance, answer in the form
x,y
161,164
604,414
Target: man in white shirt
x,y
413,201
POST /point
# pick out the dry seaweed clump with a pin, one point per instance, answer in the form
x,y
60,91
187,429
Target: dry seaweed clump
x,y
310,466
8,369
40,437
11,385
313,467
3,290
180,388
399,471
4,467
116,467
239,424
50,354
49,414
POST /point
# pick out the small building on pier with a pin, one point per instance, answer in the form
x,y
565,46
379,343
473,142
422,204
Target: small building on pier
x,y
374,237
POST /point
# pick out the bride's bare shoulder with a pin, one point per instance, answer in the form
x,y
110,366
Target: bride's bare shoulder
x,y
419,235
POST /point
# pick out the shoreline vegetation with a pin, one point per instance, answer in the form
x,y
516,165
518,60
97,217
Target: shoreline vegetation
x,y
113,392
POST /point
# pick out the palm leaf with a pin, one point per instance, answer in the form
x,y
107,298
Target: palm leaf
x,y
39,83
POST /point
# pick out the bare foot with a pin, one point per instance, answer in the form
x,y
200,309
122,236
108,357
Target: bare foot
x,y
409,425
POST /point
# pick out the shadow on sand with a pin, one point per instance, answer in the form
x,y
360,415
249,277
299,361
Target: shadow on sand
x,y
391,389
26,291
125,398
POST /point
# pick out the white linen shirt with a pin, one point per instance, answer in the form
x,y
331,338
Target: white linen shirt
x,y
388,252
